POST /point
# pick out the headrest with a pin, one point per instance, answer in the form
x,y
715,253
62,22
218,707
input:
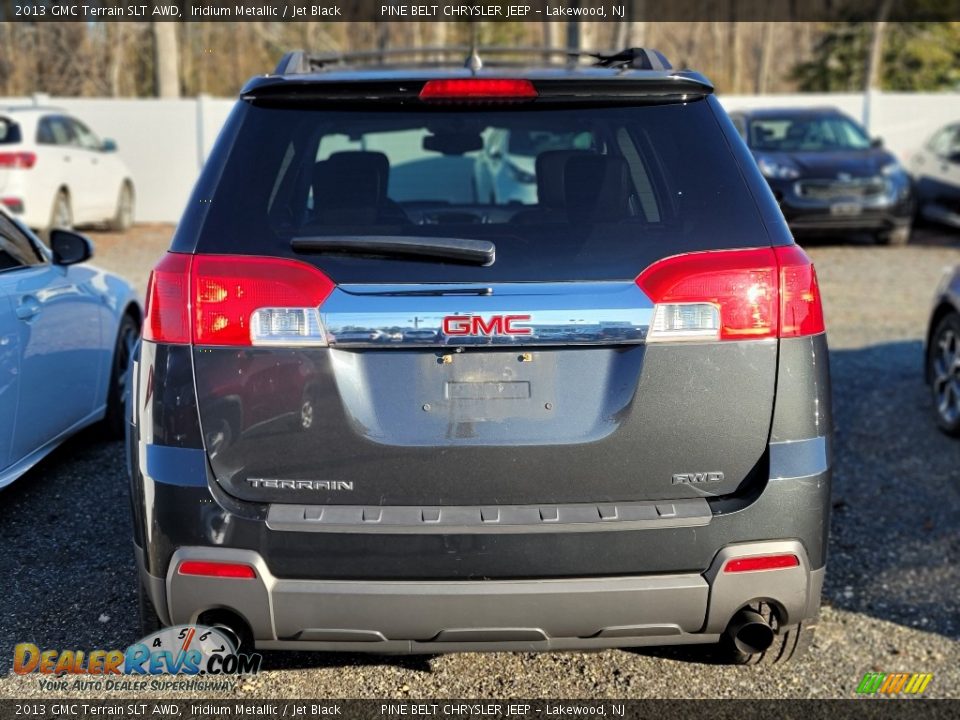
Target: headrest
x,y
597,187
550,168
348,183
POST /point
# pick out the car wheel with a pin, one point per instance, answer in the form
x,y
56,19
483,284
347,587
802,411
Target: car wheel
x,y
149,619
898,236
789,644
123,219
61,214
127,335
943,363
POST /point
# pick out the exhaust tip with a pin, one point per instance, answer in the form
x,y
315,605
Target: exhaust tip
x,y
751,634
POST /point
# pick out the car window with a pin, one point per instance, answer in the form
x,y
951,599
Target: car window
x,y
945,142
83,136
605,184
806,134
55,130
9,132
740,124
16,249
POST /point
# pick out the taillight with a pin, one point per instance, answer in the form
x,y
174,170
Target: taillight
x,y
733,295
168,300
17,160
801,312
205,568
241,300
235,300
478,89
761,562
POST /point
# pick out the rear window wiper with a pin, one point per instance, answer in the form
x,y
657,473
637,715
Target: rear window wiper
x,y
463,250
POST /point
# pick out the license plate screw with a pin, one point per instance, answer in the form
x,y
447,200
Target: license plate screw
x,y
548,406
426,407
446,359
526,357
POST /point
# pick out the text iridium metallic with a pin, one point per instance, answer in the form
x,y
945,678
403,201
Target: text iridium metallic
x,y
503,314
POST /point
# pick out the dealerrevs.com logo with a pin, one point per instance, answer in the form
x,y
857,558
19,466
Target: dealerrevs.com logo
x,y
187,651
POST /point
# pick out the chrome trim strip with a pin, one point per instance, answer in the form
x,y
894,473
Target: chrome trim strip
x,y
798,458
411,315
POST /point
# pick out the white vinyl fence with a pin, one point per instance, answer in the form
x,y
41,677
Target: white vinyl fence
x,y
165,142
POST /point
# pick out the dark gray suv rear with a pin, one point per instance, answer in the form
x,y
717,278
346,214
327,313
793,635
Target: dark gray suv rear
x,y
377,410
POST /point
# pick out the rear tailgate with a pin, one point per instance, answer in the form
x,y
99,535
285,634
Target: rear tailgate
x,y
532,379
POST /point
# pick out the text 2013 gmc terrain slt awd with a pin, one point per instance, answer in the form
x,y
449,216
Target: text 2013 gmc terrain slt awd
x,y
375,409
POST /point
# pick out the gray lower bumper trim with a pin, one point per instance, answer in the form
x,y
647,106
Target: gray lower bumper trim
x,y
435,616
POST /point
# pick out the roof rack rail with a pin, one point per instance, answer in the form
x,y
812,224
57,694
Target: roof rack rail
x,y
635,58
300,62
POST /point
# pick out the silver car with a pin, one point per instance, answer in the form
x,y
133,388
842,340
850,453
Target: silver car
x,y
943,352
936,177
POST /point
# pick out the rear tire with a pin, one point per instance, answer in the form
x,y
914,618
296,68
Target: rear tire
x,y
114,422
943,369
61,214
789,644
899,236
123,219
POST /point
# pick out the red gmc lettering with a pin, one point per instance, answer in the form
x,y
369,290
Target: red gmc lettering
x,y
494,325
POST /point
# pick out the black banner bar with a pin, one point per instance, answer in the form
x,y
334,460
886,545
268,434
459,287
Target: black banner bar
x,y
477,10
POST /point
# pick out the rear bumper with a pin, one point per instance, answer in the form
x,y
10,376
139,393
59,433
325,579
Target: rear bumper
x,y
389,580
445,616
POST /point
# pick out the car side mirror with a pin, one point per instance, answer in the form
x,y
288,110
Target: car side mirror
x,y
70,248
108,146
876,142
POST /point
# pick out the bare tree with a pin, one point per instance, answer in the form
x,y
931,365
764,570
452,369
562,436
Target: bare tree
x,y
573,33
167,59
632,32
874,59
763,63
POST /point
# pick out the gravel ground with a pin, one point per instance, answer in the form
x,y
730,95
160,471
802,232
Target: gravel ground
x,y
67,577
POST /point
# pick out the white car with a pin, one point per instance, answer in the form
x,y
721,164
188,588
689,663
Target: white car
x,y
506,168
55,172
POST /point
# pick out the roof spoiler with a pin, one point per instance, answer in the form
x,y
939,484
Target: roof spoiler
x,y
300,62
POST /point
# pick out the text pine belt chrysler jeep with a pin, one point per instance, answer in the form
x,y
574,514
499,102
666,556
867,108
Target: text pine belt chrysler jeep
x,y
381,406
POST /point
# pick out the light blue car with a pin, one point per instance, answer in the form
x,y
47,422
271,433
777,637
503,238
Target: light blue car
x,y
67,330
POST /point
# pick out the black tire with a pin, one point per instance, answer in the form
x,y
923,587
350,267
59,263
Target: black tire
x,y
944,374
61,214
123,218
114,422
897,237
149,619
789,644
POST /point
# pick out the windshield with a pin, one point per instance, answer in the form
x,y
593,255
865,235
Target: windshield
x,y
807,134
560,192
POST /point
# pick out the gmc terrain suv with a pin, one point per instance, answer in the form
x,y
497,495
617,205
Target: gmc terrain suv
x,y
376,409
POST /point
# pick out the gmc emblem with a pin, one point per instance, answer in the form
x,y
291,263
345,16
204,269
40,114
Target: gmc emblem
x,y
493,325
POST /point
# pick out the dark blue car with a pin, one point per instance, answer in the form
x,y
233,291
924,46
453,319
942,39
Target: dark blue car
x,y
827,174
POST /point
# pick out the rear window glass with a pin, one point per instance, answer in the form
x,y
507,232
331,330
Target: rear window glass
x,y
585,193
9,132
